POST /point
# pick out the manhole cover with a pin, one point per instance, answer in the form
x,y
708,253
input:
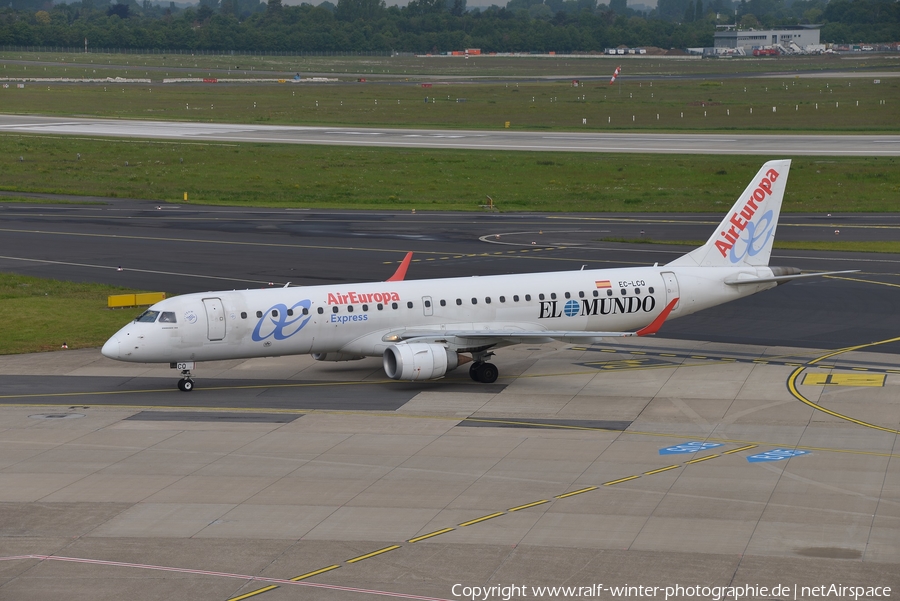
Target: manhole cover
x,y
56,415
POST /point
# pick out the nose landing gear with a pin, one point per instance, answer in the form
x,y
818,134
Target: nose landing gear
x,y
186,383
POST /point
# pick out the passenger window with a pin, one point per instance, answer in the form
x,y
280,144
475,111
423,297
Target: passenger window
x,y
394,305
609,292
650,289
365,308
474,301
515,298
428,303
321,310
409,304
334,309
274,313
568,295
243,315
349,308
502,299
487,300
459,301
581,294
305,311
290,312
624,292
637,290
553,295
380,306
596,293
541,296
259,313
167,317
528,297
443,303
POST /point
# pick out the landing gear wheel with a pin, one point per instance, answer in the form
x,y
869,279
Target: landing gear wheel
x,y
486,373
185,385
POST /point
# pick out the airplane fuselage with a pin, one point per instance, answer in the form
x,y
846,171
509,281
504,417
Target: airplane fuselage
x,y
351,321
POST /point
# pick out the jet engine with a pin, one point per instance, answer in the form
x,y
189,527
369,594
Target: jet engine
x,y
419,361
336,357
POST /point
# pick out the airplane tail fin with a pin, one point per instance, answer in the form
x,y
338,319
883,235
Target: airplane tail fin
x,y
746,234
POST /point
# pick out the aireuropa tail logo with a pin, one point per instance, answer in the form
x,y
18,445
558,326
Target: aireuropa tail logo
x,y
276,323
748,236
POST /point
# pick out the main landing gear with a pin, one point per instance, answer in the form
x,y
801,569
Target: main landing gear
x,y
486,373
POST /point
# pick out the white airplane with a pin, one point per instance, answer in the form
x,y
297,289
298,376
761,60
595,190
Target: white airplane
x,y
425,328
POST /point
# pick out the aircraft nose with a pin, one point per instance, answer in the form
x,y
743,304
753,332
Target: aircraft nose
x,y
111,348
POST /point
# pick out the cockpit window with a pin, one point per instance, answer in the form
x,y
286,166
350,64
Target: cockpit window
x,y
167,317
148,316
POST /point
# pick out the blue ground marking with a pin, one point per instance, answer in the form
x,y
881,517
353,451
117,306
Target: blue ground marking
x,y
695,446
776,455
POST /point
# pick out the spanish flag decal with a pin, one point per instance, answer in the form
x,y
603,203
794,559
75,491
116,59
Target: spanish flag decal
x,y
603,284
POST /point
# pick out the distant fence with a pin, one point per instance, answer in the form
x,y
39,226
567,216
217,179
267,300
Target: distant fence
x,y
80,50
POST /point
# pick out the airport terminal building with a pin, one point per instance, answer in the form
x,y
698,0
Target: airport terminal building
x,y
748,39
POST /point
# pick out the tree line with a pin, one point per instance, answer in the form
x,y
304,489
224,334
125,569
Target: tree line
x,y
428,25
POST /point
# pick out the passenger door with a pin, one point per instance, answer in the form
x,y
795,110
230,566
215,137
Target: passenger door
x,y
215,318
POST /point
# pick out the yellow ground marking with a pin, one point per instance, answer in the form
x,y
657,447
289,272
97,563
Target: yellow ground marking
x,y
699,357
314,573
817,379
373,553
699,459
482,519
576,492
258,591
527,505
620,480
662,469
430,534
739,449
668,355
792,385
713,223
834,277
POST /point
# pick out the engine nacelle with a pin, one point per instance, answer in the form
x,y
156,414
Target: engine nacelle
x,y
336,357
419,361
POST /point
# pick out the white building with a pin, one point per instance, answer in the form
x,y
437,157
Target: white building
x,y
747,39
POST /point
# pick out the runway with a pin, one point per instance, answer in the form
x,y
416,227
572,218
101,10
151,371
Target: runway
x,y
755,144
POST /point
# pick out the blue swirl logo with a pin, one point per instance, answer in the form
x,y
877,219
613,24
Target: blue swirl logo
x,y
571,308
281,326
755,237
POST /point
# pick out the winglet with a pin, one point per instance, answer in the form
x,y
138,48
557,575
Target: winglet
x,y
400,274
654,327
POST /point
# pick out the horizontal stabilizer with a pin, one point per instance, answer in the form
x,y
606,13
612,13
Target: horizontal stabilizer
x,y
739,281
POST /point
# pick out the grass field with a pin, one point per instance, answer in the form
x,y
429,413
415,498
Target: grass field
x,y
731,105
157,66
40,315
385,178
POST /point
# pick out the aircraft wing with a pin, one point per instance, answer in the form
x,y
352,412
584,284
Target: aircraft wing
x,y
460,338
